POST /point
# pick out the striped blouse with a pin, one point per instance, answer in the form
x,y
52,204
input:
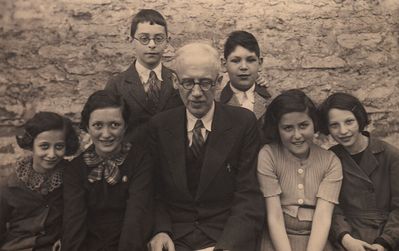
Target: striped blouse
x,y
299,182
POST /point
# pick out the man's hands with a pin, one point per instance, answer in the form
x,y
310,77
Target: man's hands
x,y
352,244
160,242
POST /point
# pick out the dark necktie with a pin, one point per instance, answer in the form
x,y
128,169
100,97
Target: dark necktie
x,y
198,139
154,89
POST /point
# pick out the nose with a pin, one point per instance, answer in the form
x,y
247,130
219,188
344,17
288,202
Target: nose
x,y
297,134
151,44
196,91
105,132
243,65
342,129
51,153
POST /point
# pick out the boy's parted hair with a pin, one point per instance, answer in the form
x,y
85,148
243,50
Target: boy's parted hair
x,y
49,121
293,100
147,15
241,38
342,101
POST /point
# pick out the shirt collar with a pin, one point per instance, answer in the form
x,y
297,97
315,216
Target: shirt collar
x,y
240,94
144,72
206,120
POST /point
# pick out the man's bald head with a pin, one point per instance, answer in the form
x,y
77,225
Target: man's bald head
x,y
198,53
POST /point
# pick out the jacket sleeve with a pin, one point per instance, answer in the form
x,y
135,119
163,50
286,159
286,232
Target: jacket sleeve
x,y
5,211
339,225
162,218
138,224
243,227
75,209
390,233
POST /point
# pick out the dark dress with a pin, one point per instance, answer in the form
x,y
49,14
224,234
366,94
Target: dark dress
x,y
369,198
30,209
101,216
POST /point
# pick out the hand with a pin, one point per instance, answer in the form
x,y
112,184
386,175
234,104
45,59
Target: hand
x,y
378,247
261,81
56,246
352,244
160,242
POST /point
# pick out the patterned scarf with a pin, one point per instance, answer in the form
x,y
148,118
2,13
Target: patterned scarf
x,y
40,182
105,168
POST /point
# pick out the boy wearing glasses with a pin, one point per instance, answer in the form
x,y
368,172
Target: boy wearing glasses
x,y
146,85
242,62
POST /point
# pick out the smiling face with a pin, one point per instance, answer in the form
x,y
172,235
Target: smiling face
x,y
242,66
296,131
344,128
106,129
149,55
48,150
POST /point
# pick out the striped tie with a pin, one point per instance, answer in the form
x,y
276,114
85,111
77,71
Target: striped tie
x,y
198,139
154,89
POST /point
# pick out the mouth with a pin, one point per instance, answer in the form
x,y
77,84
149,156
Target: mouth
x,y
298,143
345,139
52,162
152,54
244,76
107,142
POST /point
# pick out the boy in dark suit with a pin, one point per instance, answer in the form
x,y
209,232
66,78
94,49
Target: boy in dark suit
x,y
242,62
146,85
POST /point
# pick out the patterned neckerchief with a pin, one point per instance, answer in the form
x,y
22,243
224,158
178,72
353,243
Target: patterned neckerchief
x,y
40,182
105,168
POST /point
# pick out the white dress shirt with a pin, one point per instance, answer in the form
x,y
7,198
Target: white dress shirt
x,y
144,73
246,99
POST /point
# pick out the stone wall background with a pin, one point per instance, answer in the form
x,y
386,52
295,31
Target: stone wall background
x,y
54,53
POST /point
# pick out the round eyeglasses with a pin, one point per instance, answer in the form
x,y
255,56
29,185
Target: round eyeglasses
x,y
205,84
144,40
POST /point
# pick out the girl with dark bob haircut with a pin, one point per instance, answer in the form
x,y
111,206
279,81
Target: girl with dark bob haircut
x,y
367,217
300,181
290,101
108,188
31,200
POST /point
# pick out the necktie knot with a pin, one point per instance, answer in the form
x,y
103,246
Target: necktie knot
x,y
198,139
198,124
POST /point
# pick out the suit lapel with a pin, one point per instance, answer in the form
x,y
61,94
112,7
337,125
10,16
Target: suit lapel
x,y
175,147
166,88
368,162
134,87
218,146
259,106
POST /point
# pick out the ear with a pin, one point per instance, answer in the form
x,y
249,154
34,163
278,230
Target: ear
x,y
175,80
223,63
219,80
260,64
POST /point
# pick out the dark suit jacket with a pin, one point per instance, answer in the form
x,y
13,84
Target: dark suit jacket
x,y
228,206
129,86
369,198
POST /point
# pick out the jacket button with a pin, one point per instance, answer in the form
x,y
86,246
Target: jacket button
x,y
196,223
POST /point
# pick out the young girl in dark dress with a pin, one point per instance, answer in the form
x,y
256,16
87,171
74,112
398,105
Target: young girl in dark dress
x,y
367,217
31,199
108,187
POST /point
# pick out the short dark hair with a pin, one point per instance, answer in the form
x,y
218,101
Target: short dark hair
x,y
293,100
48,121
100,100
241,38
147,15
342,101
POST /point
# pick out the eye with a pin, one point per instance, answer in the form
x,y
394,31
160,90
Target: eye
x,y
144,39
235,60
288,128
333,125
97,125
115,125
252,59
59,146
304,125
349,121
159,38
44,146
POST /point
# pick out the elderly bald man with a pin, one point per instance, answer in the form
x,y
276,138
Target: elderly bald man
x,y
208,196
